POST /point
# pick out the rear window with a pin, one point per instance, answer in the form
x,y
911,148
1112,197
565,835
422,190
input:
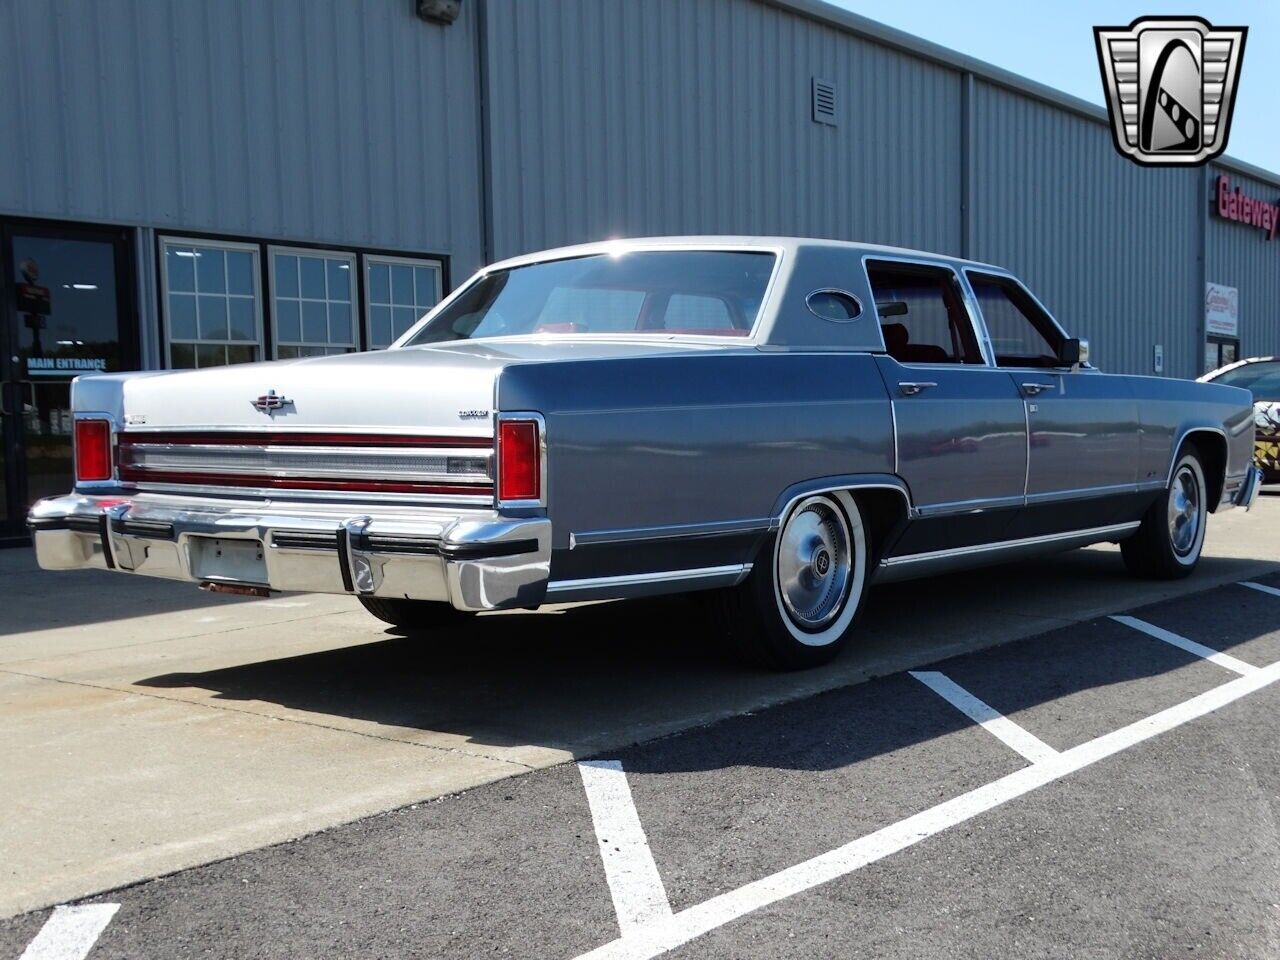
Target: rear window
x,y
654,292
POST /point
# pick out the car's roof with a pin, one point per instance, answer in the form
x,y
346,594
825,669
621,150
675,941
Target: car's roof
x,y
784,244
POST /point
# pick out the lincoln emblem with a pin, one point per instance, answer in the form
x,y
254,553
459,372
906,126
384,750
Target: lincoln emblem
x,y
271,401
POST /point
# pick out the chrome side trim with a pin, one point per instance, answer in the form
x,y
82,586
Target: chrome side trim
x,y
640,584
969,506
1085,493
1100,533
898,487
674,531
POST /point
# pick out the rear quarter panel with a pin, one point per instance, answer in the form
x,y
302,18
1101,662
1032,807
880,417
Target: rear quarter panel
x,y
1169,410
693,438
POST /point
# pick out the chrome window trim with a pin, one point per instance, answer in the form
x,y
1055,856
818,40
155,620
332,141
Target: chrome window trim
x,y
979,333
1001,274
1102,533
625,246
857,301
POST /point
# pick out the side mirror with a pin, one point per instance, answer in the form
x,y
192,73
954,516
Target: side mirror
x,y
1074,352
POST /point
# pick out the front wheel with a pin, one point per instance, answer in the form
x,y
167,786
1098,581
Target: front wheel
x,y
1168,543
798,606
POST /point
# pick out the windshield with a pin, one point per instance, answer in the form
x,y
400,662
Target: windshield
x,y
651,292
1262,378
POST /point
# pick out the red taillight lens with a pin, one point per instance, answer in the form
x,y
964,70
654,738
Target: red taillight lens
x,y
519,460
93,450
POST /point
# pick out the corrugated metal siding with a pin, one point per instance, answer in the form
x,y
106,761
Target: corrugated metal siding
x,y
617,118
1112,249
1240,256
327,120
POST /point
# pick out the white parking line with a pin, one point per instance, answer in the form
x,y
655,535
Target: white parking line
x,y
1199,649
70,932
996,724
634,883
1261,587
666,934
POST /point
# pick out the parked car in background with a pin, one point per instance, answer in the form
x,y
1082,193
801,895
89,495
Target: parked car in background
x,y
1261,377
778,421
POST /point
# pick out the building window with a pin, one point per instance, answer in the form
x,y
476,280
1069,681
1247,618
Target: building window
x,y
398,291
212,303
313,302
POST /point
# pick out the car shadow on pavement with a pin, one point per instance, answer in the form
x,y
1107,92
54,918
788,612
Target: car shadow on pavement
x,y
589,677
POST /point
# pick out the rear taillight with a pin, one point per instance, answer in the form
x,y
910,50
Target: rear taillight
x,y
93,450
519,460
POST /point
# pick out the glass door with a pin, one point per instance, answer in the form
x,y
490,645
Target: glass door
x,y
68,310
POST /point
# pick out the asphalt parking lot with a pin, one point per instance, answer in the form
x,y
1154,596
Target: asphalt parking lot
x,y
1024,776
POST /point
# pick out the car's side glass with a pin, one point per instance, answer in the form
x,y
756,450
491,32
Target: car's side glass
x,y
1021,334
922,314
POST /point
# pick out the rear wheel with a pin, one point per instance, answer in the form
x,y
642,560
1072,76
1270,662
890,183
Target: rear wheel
x,y
413,614
797,607
1168,543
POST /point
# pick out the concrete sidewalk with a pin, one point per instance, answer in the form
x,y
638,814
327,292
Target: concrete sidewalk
x,y
148,726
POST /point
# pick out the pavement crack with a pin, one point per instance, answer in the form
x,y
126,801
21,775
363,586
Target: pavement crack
x,y
229,708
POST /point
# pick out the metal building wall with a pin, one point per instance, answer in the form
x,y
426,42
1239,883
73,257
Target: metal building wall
x,y
1113,249
1241,256
344,121
617,118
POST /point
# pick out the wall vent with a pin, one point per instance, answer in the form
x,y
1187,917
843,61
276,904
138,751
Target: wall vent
x,y
824,101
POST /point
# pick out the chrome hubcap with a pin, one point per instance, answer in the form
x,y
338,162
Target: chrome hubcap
x,y
1184,511
814,565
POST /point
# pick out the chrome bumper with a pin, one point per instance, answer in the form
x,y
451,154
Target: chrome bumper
x,y
475,560
1247,492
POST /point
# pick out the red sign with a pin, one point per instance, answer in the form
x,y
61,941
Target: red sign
x,y
33,299
1239,206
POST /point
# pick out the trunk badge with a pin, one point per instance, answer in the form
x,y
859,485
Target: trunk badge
x,y
473,414
271,401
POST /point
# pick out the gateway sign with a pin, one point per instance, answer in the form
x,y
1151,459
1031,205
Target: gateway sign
x,y
1239,206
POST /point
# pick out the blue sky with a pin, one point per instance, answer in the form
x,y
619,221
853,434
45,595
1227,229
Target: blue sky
x,y
1053,43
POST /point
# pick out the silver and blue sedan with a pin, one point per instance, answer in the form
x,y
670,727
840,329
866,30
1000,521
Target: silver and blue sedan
x,y
778,422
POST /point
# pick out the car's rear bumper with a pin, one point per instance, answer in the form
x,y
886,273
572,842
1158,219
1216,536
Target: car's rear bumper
x,y
475,560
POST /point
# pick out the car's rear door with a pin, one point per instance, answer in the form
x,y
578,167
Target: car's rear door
x,y
960,423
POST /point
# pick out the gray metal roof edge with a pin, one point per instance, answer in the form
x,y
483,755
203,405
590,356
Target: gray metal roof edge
x,y
885,35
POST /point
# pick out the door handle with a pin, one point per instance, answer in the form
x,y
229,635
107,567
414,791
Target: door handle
x,y
1034,389
911,389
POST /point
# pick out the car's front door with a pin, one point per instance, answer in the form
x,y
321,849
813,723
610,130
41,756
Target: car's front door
x,y
1083,424
960,424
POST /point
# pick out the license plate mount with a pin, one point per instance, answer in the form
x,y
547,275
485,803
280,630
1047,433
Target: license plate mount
x,y
223,560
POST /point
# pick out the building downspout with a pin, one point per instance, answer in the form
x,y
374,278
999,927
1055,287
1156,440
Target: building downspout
x,y
482,124
966,166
